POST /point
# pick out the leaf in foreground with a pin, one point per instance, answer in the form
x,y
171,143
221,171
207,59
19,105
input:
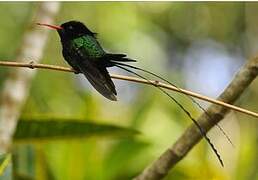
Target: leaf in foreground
x,y
54,129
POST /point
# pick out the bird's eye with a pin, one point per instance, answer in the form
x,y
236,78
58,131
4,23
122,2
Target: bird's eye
x,y
70,27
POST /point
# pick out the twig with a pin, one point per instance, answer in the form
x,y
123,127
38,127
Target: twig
x,y
160,167
33,65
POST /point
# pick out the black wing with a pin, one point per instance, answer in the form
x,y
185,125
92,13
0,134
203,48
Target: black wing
x,y
97,75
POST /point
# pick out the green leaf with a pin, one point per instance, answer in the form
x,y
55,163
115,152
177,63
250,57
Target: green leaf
x,y
5,167
53,129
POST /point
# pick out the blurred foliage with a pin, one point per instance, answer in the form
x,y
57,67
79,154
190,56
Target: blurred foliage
x,y
5,166
160,36
37,130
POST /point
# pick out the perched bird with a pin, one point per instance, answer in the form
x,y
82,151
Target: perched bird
x,y
83,52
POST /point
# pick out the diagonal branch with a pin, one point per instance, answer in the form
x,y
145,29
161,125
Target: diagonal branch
x,y
160,167
34,65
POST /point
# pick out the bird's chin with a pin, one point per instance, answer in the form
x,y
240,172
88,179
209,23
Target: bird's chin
x,y
62,35
60,32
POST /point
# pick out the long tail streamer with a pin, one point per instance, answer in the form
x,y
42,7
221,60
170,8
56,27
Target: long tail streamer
x,y
120,65
192,99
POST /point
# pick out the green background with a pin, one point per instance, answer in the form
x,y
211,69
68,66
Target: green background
x,y
183,42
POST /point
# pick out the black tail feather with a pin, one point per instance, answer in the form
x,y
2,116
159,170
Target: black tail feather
x,y
118,57
188,114
203,133
192,99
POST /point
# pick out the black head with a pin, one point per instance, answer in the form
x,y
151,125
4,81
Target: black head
x,y
70,30
74,29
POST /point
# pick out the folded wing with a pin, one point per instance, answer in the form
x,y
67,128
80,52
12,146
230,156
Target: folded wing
x,y
97,75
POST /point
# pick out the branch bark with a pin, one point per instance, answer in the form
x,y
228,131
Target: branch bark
x,y
160,167
33,65
17,84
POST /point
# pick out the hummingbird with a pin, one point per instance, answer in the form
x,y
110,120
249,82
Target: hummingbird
x,y
83,52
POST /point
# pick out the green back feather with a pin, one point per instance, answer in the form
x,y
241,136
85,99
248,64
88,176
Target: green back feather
x,y
90,46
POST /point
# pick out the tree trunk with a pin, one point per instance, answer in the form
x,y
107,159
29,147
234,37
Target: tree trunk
x,y
17,84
